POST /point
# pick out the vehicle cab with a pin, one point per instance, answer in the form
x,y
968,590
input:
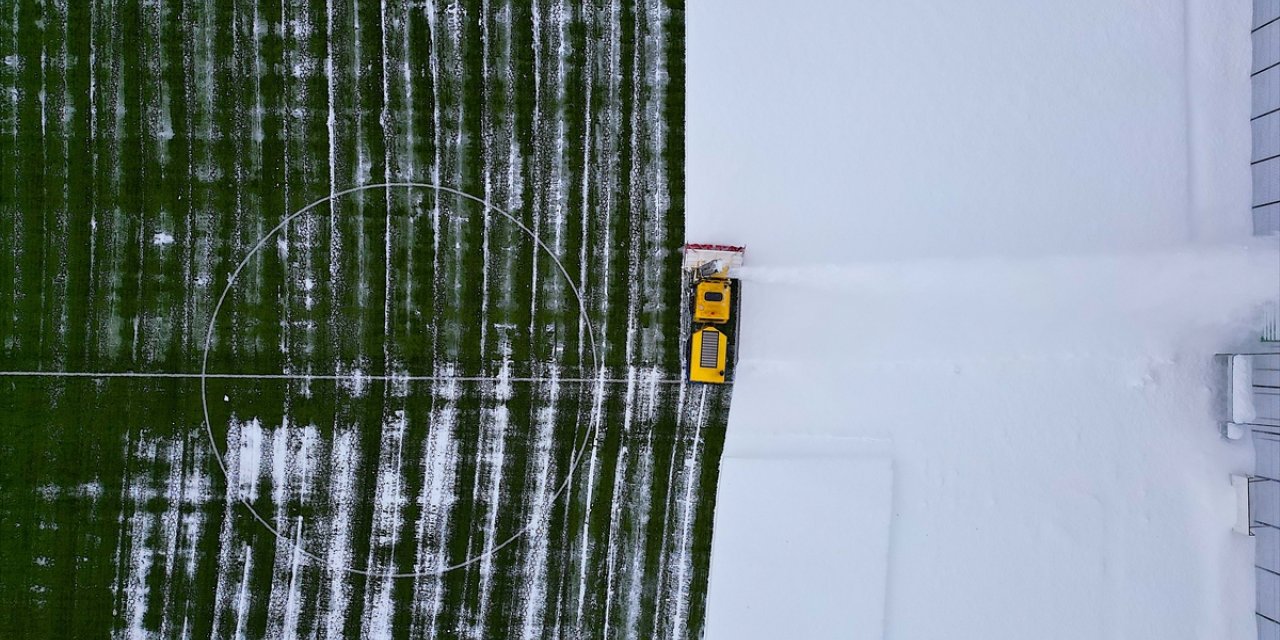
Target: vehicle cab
x,y
711,301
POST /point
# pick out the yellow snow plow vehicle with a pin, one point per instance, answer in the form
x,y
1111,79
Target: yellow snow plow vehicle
x,y
713,308
707,360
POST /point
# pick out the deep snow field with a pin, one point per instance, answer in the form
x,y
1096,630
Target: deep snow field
x,y
991,250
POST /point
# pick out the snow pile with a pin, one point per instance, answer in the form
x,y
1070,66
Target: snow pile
x,y
1007,241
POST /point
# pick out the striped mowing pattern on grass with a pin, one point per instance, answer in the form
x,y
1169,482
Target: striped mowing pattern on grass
x,y
399,377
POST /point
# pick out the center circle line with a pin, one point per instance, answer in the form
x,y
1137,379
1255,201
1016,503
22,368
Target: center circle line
x,y
575,460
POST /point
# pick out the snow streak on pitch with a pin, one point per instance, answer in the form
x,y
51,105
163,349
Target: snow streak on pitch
x,y
146,147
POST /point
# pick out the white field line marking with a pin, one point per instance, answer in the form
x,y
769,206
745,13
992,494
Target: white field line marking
x,y
593,427
324,376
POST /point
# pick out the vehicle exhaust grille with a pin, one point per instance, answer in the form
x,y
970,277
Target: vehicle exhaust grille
x,y
710,349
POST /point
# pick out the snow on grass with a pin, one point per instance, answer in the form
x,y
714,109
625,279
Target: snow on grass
x,y
153,279
335,238
293,601
343,459
620,488
561,16
243,599
175,494
204,170
141,527
433,31
258,111
249,459
243,461
689,478
486,94
389,500
641,500
515,197
587,145
494,426
439,494
300,345
585,544
225,604
607,210
291,458
299,342
649,170
534,589
670,505
607,169
548,120
196,491
354,380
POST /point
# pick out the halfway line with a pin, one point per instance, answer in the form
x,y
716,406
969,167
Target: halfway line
x,y
299,376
